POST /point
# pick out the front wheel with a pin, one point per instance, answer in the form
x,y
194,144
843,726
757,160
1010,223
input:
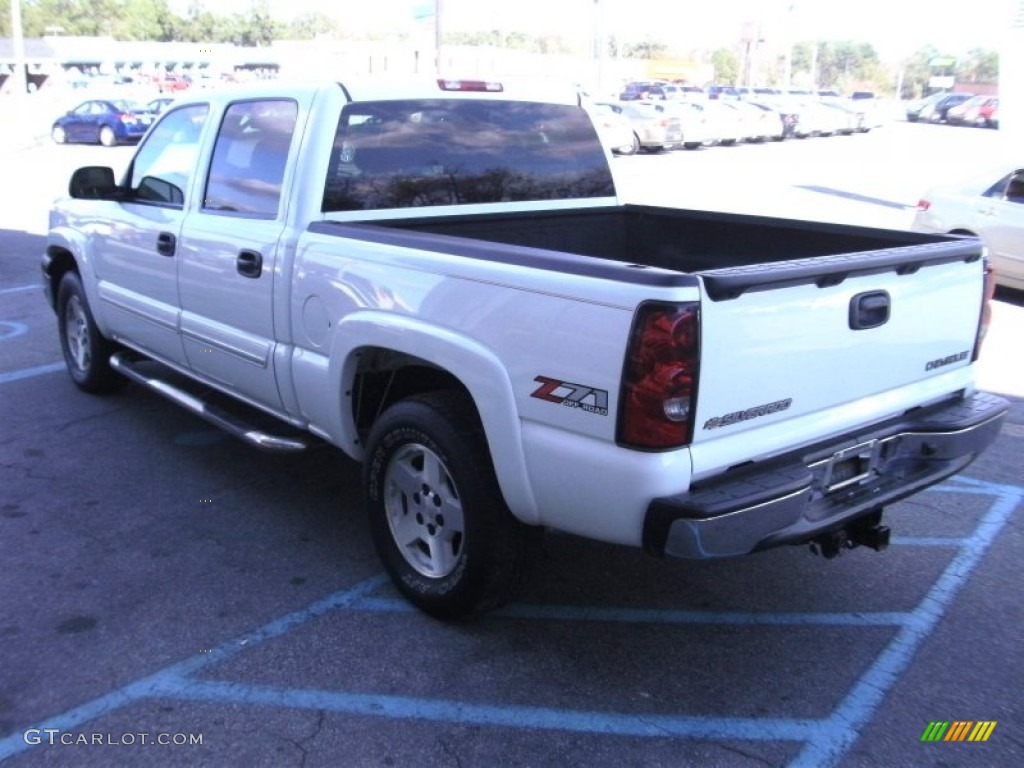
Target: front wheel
x,y
86,352
59,135
437,516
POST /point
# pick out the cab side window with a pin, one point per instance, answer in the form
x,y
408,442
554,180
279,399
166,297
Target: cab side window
x,y
249,158
1015,188
166,160
1009,188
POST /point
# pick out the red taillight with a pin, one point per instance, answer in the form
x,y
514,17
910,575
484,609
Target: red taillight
x,y
470,85
923,205
659,384
986,310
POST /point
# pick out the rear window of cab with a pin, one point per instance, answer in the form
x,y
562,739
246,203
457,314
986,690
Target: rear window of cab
x,y
417,153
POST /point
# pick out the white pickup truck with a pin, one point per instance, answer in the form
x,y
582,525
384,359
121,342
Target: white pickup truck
x,y
439,279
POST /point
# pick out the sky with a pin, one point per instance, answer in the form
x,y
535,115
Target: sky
x,y
895,27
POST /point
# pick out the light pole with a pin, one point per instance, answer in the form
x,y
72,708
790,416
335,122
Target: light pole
x,y
18,79
1011,79
438,34
599,44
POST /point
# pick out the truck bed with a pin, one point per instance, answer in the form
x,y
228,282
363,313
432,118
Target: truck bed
x,y
732,252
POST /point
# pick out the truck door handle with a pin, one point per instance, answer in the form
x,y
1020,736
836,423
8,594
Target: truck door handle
x,y
166,243
869,310
249,263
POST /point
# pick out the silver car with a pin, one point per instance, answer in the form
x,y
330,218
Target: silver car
x,y
654,129
990,206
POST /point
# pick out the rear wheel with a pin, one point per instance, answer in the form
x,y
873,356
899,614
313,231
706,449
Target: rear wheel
x,y
437,516
86,352
107,136
633,148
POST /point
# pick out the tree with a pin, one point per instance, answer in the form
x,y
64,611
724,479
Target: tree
x,y
144,20
313,25
727,66
980,65
647,49
255,28
844,64
917,72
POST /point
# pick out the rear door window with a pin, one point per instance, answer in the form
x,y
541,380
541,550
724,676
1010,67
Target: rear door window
x,y
250,156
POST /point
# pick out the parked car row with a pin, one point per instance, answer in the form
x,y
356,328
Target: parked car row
x,y
981,110
671,124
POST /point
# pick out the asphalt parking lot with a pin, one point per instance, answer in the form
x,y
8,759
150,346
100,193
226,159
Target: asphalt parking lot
x,y
171,597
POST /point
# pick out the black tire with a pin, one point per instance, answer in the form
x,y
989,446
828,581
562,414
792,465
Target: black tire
x,y
59,135
107,136
447,566
86,352
633,148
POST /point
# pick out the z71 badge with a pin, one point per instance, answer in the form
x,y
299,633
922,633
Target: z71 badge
x,y
589,399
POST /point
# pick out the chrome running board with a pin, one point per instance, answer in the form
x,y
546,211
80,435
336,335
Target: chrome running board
x,y
231,424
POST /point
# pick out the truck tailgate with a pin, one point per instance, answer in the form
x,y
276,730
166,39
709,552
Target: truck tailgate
x,y
822,354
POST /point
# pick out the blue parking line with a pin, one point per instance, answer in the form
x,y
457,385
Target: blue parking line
x,y
21,289
512,716
838,733
826,741
11,328
170,677
28,373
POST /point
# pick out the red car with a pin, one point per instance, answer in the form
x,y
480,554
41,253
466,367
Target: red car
x,y
170,82
979,110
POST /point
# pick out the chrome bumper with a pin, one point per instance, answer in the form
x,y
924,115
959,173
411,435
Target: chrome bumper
x,y
797,497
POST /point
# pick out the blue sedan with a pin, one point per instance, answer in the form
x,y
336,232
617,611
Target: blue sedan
x,y
107,122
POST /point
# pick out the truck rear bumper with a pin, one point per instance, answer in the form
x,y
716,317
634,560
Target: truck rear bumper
x,y
797,497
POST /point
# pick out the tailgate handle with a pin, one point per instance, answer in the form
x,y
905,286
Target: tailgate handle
x,y
869,310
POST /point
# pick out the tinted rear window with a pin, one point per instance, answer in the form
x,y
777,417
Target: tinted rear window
x,y
403,154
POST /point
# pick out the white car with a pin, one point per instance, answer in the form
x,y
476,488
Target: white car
x,y
615,130
990,206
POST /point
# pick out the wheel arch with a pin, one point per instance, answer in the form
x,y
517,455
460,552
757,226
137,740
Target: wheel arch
x,y
58,260
390,357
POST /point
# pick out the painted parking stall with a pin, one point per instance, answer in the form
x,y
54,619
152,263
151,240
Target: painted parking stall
x,y
823,740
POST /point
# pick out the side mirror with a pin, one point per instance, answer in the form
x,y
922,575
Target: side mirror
x,y
159,191
94,183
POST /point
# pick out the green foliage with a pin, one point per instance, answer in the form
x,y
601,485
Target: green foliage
x,y
519,41
144,20
727,66
312,26
980,65
841,65
916,72
646,49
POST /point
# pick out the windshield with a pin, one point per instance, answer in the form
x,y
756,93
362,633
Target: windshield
x,y
402,154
